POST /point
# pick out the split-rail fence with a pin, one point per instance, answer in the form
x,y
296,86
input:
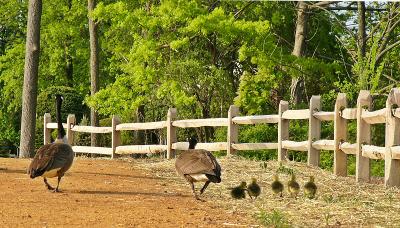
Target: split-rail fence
x,y
362,149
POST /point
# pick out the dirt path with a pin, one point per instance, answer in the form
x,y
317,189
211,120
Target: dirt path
x,y
102,193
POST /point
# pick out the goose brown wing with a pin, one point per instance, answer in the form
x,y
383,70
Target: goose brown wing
x,y
63,157
43,160
51,156
197,161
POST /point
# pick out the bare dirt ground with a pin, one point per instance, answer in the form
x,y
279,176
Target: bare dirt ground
x,y
105,193
147,192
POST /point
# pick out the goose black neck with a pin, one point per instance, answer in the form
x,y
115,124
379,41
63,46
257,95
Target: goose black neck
x,y
60,128
192,143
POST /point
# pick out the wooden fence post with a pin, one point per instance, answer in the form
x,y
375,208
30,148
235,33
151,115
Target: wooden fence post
x,y
392,138
340,135
70,122
115,135
283,130
171,131
363,137
314,131
233,129
46,131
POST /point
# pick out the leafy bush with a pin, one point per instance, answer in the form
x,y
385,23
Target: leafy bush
x,y
72,103
80,138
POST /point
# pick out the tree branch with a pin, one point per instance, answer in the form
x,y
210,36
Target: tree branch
x,y
321,4
348,51
376,27
355,8
383,52
385,37
390,78
341,24
238,13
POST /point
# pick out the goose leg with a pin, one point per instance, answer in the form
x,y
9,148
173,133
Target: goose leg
x,y
248,193
204,187
194,192
47,184
58,183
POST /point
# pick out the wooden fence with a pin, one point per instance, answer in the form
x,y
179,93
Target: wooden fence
x,y
390,116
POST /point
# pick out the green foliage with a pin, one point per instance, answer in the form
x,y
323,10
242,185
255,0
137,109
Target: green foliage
x,y
80,138
72,103
175,42
105,139
255,92
197,56
284,169
326,160
275,218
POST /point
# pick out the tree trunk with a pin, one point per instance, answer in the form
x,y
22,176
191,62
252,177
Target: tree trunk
x,y
31,71
94,68
363,76
361,29
69,67
208,131
297,85
140,118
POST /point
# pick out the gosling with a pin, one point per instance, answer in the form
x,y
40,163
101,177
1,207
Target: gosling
x,y
254,189
310,188
293,186
239,192
276,185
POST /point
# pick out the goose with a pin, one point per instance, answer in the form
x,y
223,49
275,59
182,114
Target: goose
x,y
197,165
310,188
239,191
293,186
53,160
276,185
254,189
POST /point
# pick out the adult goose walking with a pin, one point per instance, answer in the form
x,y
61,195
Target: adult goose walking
x,y
197,165
53,160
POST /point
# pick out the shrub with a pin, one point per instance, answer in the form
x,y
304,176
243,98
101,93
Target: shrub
x,y
72,103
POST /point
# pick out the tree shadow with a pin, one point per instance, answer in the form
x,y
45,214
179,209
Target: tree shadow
x,y
6,170
122,175
106,192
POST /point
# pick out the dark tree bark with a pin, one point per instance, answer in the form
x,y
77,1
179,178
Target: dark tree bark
x,y
31,70
361,29
69,67
94,68
361,42
297,85
140,118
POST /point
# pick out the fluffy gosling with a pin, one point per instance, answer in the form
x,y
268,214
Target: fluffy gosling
x,y
310,188
239,191
293,186
254,189
276,185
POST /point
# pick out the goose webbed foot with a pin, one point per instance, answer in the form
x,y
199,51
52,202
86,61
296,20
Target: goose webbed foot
x,y
48,185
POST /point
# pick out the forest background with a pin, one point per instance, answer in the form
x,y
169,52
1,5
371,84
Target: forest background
x,y
201,57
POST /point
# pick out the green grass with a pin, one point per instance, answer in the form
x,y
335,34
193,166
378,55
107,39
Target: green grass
x,y
275,218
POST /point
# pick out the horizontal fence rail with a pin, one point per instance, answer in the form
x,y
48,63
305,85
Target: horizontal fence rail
x,y
362,148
